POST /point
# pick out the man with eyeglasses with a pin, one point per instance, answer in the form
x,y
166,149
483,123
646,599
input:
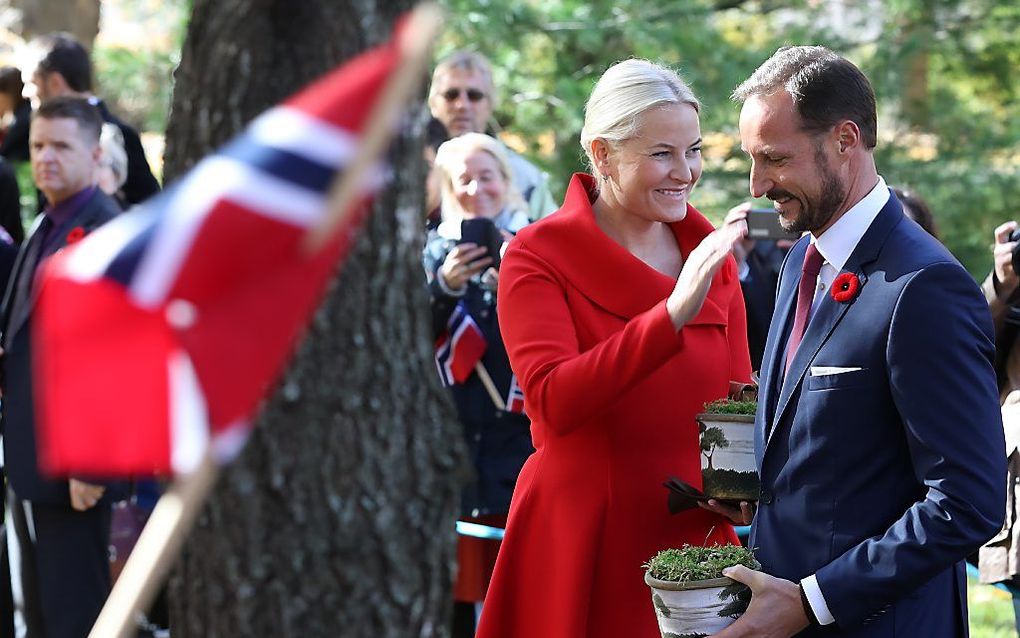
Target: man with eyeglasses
x,y
462,98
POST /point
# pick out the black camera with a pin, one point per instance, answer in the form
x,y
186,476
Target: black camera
x,y
1015,237
763,223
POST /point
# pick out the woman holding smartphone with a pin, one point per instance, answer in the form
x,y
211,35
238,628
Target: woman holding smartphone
x,y
481,209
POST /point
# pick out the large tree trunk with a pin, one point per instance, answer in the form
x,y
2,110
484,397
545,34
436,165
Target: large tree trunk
x,y
338,517
78,17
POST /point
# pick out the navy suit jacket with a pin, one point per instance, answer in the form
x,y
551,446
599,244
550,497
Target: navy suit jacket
x,y
20,459
880,481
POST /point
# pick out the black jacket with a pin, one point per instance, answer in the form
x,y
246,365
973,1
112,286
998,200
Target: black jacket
x,y
499,441
10,202
20,458
15,144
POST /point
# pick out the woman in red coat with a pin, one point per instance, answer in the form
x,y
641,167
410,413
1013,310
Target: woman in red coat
x,y
622,315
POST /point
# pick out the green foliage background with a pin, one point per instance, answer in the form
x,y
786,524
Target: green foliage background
x,y
943,71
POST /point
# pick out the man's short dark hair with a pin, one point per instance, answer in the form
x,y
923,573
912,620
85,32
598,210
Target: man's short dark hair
x,y
825,87
62,53
11,84
73,108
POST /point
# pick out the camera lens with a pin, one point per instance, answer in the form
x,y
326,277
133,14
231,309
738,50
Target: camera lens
x,y
1015,235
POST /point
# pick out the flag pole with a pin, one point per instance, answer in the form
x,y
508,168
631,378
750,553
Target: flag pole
x,y
157,547
175,512
418,36
490,387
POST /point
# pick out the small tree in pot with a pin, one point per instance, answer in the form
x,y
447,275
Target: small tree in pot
x,y
692,598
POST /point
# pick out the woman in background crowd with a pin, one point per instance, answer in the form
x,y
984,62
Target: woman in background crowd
x,y
477,193
112,171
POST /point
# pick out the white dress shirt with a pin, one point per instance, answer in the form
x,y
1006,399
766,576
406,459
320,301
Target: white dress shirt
x,y
836,245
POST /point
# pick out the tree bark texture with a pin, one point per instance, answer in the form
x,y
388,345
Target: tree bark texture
x,y
80,18
338,518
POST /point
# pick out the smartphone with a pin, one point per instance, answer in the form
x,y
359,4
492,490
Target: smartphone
x,y
482,232
763,223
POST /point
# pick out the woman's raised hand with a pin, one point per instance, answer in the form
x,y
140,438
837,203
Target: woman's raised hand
x,y
462,263
701,265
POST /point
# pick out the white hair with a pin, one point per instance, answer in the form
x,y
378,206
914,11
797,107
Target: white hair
x,y
451,156
626,90
111,140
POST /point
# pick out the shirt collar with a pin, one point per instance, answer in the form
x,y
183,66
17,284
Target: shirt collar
x,y
65,209
838,242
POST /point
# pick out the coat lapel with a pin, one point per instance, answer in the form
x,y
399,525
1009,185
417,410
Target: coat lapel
x,y
829,312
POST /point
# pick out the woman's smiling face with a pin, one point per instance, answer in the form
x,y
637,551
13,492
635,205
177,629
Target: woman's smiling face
x,y
652,174
479,185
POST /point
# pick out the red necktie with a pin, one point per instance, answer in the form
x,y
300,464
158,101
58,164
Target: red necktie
x,y
805,296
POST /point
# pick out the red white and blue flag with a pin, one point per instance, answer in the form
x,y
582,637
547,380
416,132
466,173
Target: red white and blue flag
x,y
159,334
460,348
515,397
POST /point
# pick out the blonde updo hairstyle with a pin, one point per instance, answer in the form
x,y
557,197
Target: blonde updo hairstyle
x,y
451,157
626,90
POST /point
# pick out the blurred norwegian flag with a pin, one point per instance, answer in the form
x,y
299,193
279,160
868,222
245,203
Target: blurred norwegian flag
x,y
157,335
460,348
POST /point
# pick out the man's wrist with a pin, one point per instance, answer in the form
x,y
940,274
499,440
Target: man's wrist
x,y
810,613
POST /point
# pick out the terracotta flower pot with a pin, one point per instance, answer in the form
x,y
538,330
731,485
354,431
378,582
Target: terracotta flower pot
x,y
728,470
697,608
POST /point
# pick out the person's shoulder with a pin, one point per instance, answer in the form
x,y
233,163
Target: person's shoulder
x,y
548,231
110,118
7,171
101,208
914,248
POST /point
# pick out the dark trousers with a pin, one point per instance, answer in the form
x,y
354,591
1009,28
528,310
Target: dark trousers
x,y
65,568
6,602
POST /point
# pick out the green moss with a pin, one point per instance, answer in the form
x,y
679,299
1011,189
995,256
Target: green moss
x,y
725,406
692,562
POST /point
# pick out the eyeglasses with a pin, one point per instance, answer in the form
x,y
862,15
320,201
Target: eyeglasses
x,y
472,94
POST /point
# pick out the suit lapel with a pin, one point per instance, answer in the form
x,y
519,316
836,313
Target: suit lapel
x,y
829,312
824,321
21,304
20,285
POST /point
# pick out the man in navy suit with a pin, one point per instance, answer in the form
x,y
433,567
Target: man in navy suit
x,y
878,435
58,529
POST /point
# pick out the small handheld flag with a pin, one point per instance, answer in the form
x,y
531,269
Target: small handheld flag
x,y
460,347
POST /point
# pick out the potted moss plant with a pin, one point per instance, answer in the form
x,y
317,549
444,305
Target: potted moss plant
x,y
728,470
690,595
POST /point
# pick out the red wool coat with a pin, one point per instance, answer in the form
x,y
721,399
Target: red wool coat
x,y
612,389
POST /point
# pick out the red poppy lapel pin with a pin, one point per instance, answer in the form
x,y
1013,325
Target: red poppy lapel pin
x,y
845,287
75,235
